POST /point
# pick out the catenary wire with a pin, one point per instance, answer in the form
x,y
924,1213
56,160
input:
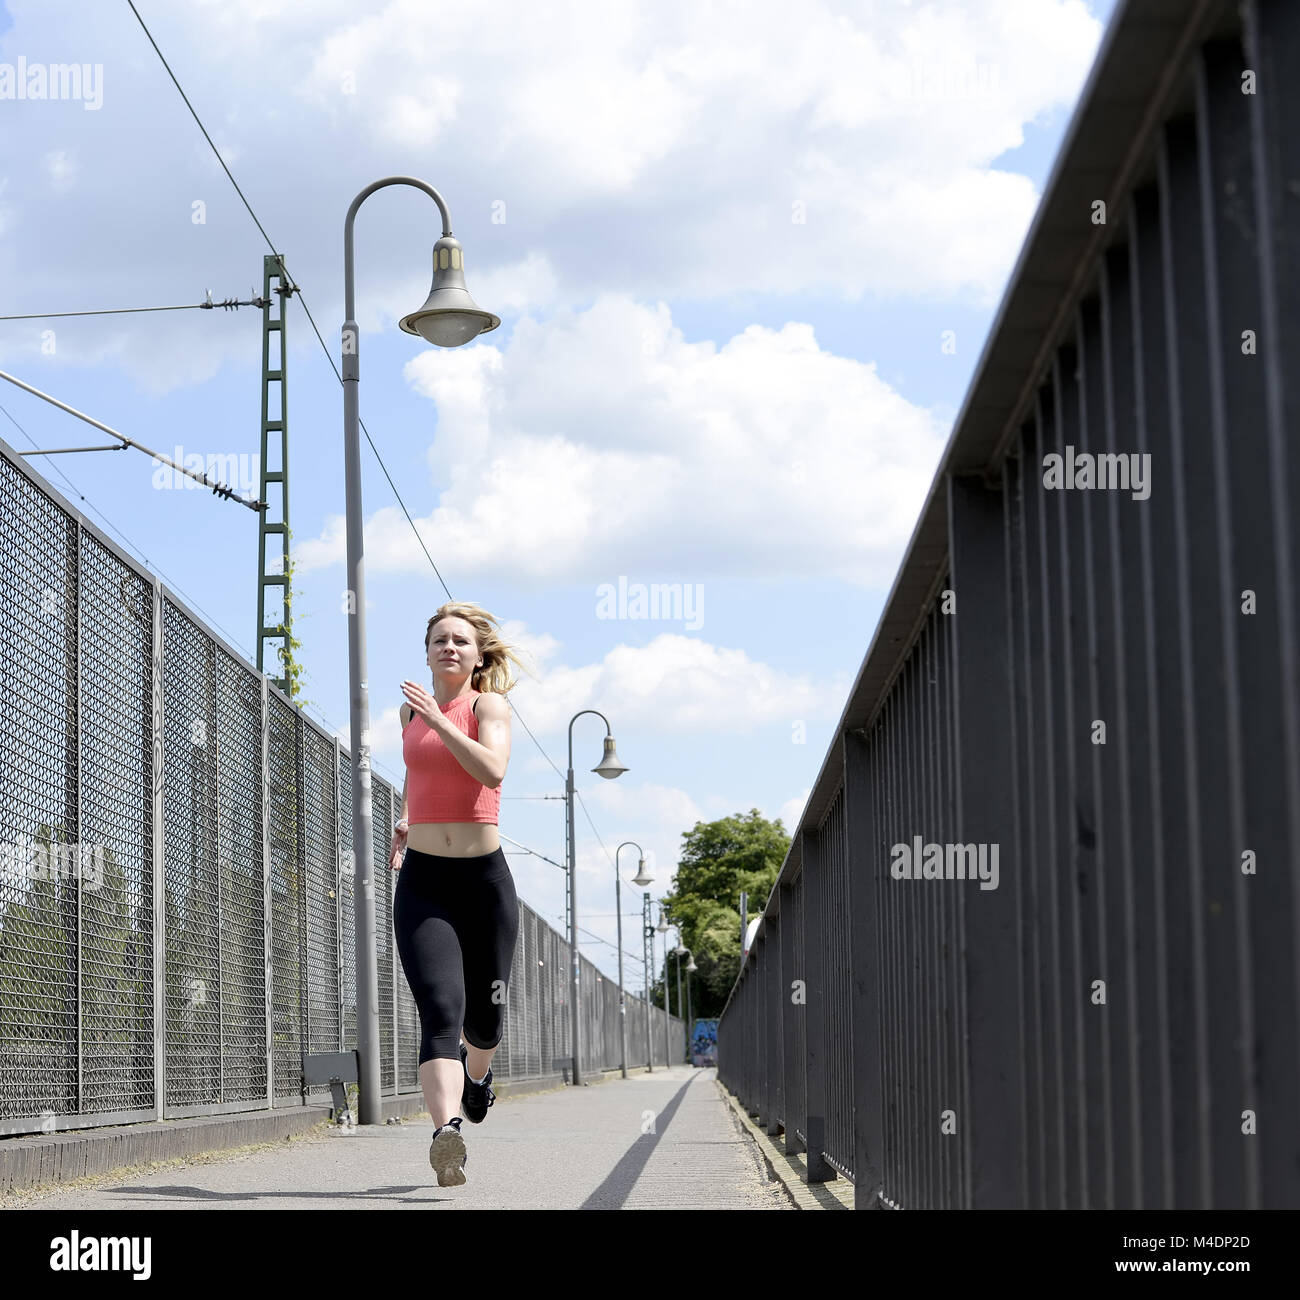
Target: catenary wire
x,y
328,354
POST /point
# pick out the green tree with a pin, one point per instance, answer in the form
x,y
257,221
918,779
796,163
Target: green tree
x,y
718,860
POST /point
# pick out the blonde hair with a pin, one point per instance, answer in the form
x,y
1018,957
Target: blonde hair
x,y
494,676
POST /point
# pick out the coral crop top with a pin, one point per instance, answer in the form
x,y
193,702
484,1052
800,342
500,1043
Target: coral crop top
x,y
438,789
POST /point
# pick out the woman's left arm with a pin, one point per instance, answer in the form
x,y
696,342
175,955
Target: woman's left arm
x,y
486,758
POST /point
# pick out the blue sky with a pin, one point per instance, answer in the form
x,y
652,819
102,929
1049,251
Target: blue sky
x,y
730,254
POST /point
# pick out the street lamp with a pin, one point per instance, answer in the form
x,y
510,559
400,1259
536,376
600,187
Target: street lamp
x,y
639,879
609,767
690,966
647,934
448,318
679,952
662,927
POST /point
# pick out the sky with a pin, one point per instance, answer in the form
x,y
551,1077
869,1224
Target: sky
x,y
745,257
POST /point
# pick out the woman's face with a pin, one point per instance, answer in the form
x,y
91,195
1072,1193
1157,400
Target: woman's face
x,y
453,650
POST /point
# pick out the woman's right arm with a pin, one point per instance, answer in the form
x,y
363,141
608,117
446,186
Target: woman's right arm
x,y
404,714
400,830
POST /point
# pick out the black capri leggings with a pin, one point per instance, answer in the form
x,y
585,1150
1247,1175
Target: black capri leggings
x,y
456,921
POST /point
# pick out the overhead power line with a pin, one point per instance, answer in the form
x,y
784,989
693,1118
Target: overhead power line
x,y
194,604
230,637
202,128
112,527
226,304
218,489
330,358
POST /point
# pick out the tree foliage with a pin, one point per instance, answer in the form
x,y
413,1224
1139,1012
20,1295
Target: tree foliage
x,y
719,859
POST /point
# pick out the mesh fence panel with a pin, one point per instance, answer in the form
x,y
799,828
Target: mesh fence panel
x,y
239,836
320,871
38,798
525,1010
116,834
347,899
192,902
287,932
408,1016
243,846
381,826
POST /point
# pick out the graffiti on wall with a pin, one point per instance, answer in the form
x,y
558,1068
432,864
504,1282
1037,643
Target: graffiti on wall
x,y
704,1043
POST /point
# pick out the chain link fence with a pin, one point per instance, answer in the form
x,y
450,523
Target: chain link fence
x,y
177,919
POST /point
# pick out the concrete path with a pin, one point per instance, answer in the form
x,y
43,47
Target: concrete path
x,y
667,1140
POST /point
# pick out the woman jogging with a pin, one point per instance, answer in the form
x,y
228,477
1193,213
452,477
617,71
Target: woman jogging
x,y
455,911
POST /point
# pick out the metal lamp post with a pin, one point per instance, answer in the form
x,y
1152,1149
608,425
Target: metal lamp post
x,y
647,933
609,767
690,966
679,952
448,318
639,879
662,927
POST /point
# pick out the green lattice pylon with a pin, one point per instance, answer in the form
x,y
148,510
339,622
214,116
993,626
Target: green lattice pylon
x,y
276,291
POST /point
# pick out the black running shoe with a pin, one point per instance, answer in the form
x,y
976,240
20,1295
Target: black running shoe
x,y
475,1098
447,1154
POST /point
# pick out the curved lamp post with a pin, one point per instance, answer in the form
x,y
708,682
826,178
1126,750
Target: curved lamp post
x,y
647,937
662,927
609,767
679,952
639,879
448,318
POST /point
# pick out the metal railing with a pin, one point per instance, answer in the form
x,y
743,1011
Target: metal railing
x,y
176,892
1099,686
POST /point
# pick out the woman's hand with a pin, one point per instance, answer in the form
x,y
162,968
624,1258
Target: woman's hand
x,y
425,705
398,847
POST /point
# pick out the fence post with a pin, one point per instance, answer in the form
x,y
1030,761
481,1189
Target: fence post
x,y
159,867
338,895
63,854
755,982
816,976
772,1056
305,1045
1272,37
982,704
864,865
790,1012
213,735
266,893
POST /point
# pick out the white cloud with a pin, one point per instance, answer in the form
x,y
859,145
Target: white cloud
x,y
655,151
675,685
516,287
604,437
678,685
651,815
790,811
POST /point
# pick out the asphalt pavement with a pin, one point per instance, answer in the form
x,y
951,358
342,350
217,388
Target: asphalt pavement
x,y
665,1140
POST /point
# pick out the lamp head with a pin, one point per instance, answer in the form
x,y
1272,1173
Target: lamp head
x,y
449,316
609,766
641,878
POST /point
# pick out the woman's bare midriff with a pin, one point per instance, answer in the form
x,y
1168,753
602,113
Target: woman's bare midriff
x,y
453,839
